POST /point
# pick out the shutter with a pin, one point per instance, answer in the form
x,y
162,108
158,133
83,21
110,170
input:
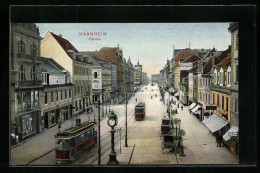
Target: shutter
x,y
225,79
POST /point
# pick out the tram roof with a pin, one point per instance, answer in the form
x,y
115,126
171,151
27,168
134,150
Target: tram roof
x,y
75,130
141,104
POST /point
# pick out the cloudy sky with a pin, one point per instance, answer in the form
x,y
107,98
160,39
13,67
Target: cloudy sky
x,y
151,43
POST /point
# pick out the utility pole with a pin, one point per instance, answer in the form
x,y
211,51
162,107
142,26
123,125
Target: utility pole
x,y
126,120
99,149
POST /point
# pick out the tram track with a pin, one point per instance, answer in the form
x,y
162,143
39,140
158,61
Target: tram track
x,y
104,138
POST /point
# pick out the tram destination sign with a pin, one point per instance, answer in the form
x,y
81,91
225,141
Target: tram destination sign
x,y
211,107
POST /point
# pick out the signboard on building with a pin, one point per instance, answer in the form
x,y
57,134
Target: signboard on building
x,y
212,107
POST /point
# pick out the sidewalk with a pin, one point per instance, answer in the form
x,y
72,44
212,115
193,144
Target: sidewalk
x,y
200,145
44,142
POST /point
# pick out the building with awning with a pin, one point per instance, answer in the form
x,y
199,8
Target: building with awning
x,y
214,123
195,109
192,106
232,132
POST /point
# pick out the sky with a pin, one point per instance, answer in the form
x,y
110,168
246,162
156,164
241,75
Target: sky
x,y
150,43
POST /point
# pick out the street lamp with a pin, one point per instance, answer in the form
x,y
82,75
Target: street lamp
x,y
112,122
126,120
179,123
99,149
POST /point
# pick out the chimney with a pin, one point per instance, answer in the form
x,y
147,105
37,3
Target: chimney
x,y
60,35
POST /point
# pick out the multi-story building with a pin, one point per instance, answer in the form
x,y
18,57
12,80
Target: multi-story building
x,y
25,81
233,28
112,55
221,89
183,96
56,98
64,53
138,74
181,56
131,76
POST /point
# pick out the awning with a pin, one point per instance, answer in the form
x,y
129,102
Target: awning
x,y
233,131
214,123
171,90
192,106
197,112
195,108
177,94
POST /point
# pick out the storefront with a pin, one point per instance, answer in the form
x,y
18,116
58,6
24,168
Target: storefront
x,y
28,125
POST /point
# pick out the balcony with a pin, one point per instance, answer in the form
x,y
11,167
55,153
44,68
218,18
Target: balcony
x,y
29,57
28,84
25,108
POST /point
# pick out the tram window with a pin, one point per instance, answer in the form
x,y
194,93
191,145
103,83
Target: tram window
x,y
72,142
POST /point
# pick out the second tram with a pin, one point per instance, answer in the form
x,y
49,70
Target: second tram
x,y
140,111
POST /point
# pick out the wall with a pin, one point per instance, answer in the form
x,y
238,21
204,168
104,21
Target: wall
x,y
219,110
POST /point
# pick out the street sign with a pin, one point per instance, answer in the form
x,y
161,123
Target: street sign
x,y
212,107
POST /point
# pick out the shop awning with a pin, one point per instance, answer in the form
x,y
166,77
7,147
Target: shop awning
x,y
233,131
171,90
177,94
192,105
214,123
195,108
197,112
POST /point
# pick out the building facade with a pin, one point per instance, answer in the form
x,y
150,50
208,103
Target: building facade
x,y
64,53
25,78
56,98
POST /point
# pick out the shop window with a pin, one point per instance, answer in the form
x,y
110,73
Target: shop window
x,y
28,125
21,73
52,118
80,106
76,105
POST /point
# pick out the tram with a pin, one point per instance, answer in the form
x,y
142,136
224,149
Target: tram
x,y
71,142
140,111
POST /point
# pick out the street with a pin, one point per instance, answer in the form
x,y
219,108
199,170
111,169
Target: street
x,y
144,143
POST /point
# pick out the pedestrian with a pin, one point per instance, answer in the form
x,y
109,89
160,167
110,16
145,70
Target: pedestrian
x,y
219,140
182,107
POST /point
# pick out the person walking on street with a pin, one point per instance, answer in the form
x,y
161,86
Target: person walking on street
x,y
182,107
219,140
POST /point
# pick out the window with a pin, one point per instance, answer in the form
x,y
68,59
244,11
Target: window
x,y
69,93
21,73
46,98
80,107
57,95
213,98
209,99
218,100
33,73
237,76
44,77
21,47
215,77
76,105
95,75
237,42
36,100
33,49
229,76
65,94
221,77
236,105
206,97
61,95
51,96
222,102
226,103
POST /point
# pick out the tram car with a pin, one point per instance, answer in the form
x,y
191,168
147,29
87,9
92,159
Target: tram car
x,y
71,142
140,111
